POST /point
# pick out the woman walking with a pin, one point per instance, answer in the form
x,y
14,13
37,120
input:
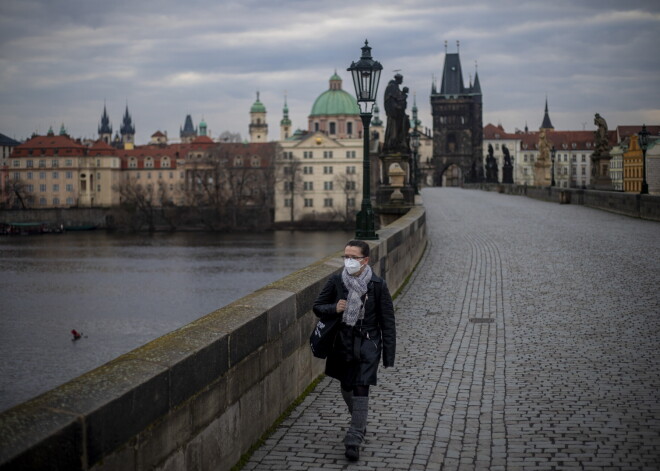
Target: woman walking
x,y
366,331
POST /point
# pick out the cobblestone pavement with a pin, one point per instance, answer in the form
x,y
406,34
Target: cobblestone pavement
x,y
529,338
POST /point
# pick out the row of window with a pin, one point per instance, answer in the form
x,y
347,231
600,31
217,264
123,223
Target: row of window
x,y
327,202
42,175
56,201
327,154
55,163
332,127
160,175
530,158
327,186
327,170
55,188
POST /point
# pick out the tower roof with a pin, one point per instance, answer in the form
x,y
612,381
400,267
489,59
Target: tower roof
x,y
546,124
105,127
452,76
335,101
476,88
127,126
258,107
285,115
188,128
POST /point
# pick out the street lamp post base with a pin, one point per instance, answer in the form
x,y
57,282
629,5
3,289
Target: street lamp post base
x,y
365,229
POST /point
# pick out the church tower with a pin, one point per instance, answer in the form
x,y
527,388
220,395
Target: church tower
x,y
187,133
285,124
127,130
258,126
105,128
457,124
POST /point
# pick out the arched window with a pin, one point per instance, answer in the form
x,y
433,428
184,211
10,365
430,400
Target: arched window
x,y
451,143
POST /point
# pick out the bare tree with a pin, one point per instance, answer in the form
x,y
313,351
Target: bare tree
x,y
142,201
290,175
348,184
16,194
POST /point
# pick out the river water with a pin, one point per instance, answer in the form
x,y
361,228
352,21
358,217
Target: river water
x,y
122,291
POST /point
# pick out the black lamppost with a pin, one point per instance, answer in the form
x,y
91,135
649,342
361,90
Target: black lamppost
x,y
552,157
366,74
644,144
414,142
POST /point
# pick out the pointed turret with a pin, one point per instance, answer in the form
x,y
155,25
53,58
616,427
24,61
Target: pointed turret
x,y
127,129
105,128
285,123
202,127
476,88
547,124
188,132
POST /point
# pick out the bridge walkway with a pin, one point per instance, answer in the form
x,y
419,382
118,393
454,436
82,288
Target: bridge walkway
x,y
528,339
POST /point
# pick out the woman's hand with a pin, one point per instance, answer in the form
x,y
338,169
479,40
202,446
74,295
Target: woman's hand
x,y
341,305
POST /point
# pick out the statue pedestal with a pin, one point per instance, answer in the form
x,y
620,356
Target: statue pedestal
x,y
395,196
542,173
600,172
395,187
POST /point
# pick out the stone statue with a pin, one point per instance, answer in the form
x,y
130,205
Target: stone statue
x,y
542,164
396,132
491,166
507,168
600,135
600,158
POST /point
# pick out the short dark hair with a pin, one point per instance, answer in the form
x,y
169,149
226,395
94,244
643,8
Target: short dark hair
x,y
364,247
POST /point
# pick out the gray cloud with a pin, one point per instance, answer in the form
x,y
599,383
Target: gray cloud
x,y
61,60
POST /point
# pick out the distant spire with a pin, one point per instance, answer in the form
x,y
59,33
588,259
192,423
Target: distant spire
x,y
547,124
285,114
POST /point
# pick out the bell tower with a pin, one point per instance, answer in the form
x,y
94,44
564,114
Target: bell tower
x,y
285,123
258,126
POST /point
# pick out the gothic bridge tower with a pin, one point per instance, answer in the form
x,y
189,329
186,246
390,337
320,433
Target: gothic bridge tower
x,y
457,126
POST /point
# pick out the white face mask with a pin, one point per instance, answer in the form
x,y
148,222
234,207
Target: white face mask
x,y
352,266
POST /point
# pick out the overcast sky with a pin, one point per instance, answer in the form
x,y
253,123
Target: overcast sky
x,y
61,60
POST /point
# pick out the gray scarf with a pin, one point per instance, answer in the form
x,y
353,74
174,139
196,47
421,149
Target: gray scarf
x,y
357,287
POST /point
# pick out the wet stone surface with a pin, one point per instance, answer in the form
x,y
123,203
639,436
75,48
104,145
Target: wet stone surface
x,y
565,376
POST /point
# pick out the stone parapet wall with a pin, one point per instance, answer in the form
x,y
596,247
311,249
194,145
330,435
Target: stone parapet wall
x,y
629,204
199,397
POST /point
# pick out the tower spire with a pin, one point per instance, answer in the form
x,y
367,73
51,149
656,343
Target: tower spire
x,y
546,124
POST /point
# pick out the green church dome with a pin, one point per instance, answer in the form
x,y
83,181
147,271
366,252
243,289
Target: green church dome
x,y
258,107
335,101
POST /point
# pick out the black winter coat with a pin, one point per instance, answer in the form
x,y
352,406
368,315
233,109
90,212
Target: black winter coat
x,y
357,350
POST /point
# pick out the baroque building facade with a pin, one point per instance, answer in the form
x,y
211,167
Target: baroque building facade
x,y
319,171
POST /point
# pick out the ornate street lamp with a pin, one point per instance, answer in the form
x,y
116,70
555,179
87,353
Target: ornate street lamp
x,y
643,138
552,157
414,143
366,75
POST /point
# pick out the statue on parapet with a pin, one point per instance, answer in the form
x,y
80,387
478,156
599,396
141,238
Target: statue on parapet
x,y
600,136
398,123
507,168
491,166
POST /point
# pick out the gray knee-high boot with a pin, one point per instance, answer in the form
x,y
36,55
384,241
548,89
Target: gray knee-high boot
x,y
355,433
348,398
